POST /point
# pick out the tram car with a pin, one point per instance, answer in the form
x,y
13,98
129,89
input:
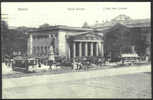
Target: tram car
x,y
130,58
25,64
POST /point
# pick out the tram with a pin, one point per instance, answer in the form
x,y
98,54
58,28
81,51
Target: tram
x,y
24,63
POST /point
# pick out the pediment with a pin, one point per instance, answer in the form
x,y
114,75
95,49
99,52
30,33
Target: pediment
x,y
87,36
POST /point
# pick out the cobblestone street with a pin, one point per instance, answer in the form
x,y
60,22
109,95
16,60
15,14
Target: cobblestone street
x,y
132,82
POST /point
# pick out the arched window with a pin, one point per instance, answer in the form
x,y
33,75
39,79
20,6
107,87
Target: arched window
x,y
46,51
38,53
38,37
34,50
42,50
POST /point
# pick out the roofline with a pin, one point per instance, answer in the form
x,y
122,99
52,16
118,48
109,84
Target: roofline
x,y
61,27
134,21
85,34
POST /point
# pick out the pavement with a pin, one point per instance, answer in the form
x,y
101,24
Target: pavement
x,y
56,85
6,69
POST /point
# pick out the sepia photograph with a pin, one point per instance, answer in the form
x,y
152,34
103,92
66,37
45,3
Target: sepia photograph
x,y
76,50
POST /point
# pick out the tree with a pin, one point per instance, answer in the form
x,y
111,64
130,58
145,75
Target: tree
x,y
117,40
12,39
44,25
85,25
4,37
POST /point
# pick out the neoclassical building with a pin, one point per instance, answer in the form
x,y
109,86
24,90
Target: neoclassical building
x,y
74,42
69,42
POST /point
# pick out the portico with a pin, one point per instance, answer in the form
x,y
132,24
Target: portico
x,y
86,45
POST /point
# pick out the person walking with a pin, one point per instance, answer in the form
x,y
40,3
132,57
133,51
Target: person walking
x,y
74,65
39,63
79,65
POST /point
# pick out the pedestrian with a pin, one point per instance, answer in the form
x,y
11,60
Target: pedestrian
x,y
11,62
39,63
74,65
79,65
88,64
50,62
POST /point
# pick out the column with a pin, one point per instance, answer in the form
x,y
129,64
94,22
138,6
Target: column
x,y
97,53
91,49
80,49
35,50
44,50
86,48
30,51
102,49
69,51
74,48
49,35
49,39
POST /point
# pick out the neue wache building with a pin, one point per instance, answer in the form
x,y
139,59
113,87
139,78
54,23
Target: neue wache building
x,y
69,42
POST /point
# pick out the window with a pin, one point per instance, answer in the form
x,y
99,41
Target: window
x,y
46,50
34,50
38,53
42,51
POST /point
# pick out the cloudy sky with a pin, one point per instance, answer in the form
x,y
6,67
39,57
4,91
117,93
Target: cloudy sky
x,y
32,14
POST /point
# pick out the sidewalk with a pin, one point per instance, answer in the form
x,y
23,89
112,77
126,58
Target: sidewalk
x,y
6,69
53,78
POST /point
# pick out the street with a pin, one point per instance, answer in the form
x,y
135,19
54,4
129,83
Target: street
x,y
129,82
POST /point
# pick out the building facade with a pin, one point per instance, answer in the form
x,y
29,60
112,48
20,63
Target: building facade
x,y
69,42
138,30
74,42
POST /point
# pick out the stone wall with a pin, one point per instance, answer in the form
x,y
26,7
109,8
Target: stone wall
x,y
63,43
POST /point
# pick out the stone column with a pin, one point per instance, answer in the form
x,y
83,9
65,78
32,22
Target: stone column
x,y
97,51
80,49
102,49
69,51
30,43
91,49
35,50
74,50
49,35
86,48
44,50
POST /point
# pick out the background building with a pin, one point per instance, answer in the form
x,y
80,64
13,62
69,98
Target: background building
x,y
122,33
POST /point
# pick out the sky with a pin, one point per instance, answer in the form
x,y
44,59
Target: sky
x,y
33,14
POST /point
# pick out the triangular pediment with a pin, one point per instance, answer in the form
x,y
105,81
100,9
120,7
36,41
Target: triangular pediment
x,y
86,36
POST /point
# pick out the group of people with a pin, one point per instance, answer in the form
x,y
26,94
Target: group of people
x,y
50,63
77,65
8,62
